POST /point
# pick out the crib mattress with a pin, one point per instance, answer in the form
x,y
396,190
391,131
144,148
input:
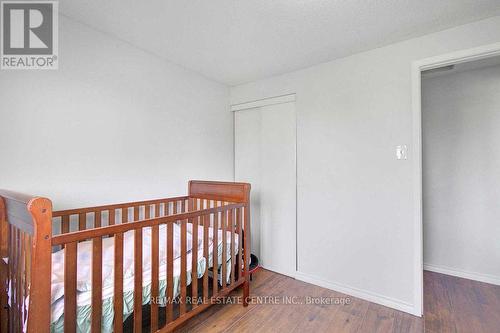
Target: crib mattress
x,y
84,292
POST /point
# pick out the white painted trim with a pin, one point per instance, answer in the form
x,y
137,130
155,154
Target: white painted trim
x,y
359,293
418,279
263,102
486,278
417,67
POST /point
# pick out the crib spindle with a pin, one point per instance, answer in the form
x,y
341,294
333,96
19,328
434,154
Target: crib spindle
x,y
27,268
170,271
154,274
215,255
10,273
118,284
136,213
96,282
65,224
194,261
231,229
137,275
70,267
224,250
82,221
183,282
16,279
124,214
205,221
240,242
111,217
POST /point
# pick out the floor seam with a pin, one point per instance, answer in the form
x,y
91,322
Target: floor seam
x,y
237,321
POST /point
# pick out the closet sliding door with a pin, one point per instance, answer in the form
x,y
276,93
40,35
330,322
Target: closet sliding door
x,y
265,156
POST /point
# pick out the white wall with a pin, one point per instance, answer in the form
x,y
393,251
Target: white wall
x,y
355,200
112,124
461,164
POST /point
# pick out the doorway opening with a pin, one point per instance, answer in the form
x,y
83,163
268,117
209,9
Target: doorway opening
x,y
456,179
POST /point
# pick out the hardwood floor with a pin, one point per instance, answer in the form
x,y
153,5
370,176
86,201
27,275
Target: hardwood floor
x,y
451,305
459,305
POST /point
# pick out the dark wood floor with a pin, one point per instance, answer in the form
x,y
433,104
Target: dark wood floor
x,y
451,305
459,305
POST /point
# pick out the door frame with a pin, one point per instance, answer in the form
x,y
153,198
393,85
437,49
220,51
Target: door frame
x,y
273,100
453,58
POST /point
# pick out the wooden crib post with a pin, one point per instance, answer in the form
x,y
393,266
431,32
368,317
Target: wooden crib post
x,y
246,250
39,302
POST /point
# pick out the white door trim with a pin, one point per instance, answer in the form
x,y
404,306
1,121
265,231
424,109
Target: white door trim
x,y
263,102
417,67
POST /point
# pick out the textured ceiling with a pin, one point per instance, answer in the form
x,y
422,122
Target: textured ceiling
x,y
236,41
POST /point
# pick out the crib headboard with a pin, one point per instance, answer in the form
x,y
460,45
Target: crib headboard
x,y
25,241
223,191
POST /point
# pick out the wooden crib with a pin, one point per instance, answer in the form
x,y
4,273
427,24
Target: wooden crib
x,y
27,244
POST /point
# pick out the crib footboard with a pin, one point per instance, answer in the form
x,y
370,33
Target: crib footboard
x,y
25,265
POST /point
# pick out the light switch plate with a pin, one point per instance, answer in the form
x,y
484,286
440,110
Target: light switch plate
x,y
402,152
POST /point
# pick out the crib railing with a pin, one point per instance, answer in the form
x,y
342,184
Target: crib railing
x,y
199,212
27,243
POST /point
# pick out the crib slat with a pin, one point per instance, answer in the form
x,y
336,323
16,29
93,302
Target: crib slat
x,y
137,276
82,221
4,272
27,267
4,316
65,224
125,215
10,250
111,217
136,213
224,250
240,241
70,262
14,279
215,255
96,283
154,274
98,219
167,208
18,278
157,210
118,284
182,305
231,229
170,272
206,221
21,278
194,262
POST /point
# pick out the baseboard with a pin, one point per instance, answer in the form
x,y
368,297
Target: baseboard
x,y
360,293
486,278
